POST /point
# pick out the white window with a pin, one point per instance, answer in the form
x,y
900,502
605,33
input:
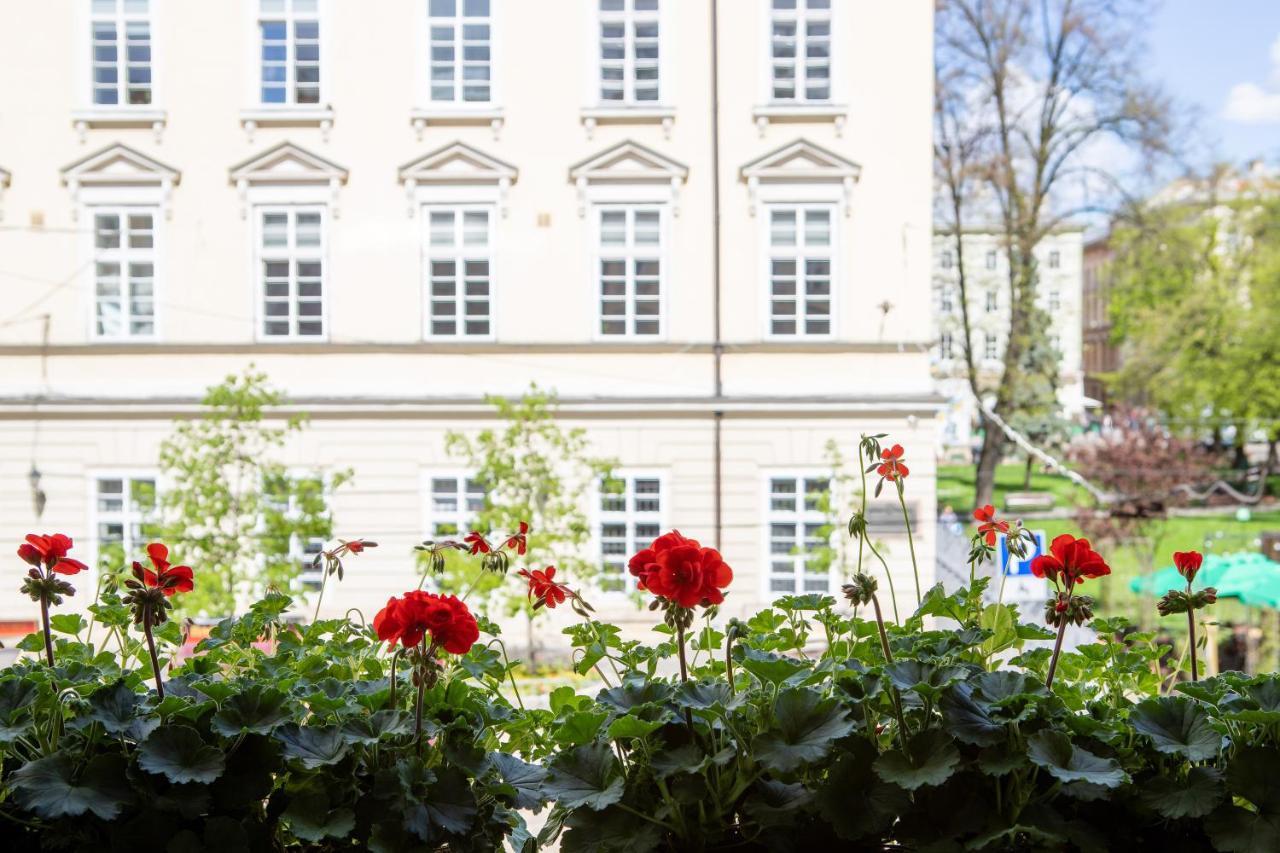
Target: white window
x,y
629,37
289,499
631,507
947,260
1055,259
944,346
124,263
289,32
121,52
991,260
124,514
459,266
453,502
800,256
991,347
796,523
291,271
946,300
1055,300
461,63
993,301
629,269
800,48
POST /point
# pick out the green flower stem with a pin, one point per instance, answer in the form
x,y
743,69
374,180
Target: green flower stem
x,y
1057,650
863,511
48,637
684,666
728,665
151,648
324,579
911,544
893,595
395,658
1191,634
888,659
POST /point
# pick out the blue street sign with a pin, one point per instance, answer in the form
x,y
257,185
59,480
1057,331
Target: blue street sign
x,y
1016,568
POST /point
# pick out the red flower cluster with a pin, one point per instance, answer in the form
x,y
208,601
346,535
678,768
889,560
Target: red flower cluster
x,y
682,571
477,543
167,578
1071,559
50,552
892,468
988,526
520,541
544,587
1188,563
415,614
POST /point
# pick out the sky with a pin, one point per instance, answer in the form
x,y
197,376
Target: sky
x,y
1222,57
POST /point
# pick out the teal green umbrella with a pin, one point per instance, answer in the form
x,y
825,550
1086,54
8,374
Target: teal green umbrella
x,y
1245,575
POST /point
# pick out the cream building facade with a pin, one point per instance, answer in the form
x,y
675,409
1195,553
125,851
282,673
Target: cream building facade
x,y
1060,264
395,208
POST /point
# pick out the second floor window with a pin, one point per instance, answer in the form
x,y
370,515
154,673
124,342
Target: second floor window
x,y
798,528
1055,259
288,502
991,347
124,259
993,302
947,260
459,271
453,502
629,51
290,36
124,516
991,260
800,50
461,51
291,270
629,269
1055,300
944,346
121,52
630,519
800,240
946,301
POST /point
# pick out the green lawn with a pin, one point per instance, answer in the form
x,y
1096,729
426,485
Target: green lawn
x,y
955,486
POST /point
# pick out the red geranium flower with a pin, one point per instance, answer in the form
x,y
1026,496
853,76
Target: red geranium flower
x,y
1071,559
989,526
519,541
50,551
892,468
417,613
544,588
168,579
682,571
1188,563
479,545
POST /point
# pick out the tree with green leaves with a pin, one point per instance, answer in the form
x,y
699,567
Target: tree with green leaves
x,y
534,470
230,508
1035,410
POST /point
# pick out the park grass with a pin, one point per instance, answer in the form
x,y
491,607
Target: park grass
x,y
955,486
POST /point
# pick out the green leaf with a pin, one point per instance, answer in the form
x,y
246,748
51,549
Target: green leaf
x,y
999,620
1176,725
922,678
688,758
373,728
852,780
766,666
1066,762
1251,775
585,776
632,727
1005,686
609,831
968,720
178,754
565,697
929,759
634,693
310,818
258,710
313,746
49,787
67,623
580,727
449,802
114,707
1236,830
805,727
708,695
523,780
1195,796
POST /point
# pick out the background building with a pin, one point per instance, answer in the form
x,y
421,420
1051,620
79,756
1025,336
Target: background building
x,y
395,208
1101,354
1061,263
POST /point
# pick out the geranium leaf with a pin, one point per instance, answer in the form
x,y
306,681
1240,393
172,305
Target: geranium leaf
x,y
585,776
1236,830
681,759
49,787
805,727
1066,762
968,720
179,754
852,779
450,803
580,727
929,759
1176,725
310,818
379,724
257,710
609,831
708,695
523,779
115,708
633,694
1195,796
313,746
922,678
632,727
766,666
67,623
1251,775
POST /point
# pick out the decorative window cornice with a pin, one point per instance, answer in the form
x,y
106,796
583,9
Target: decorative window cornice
x,y
458,164
801,162
290,165
119,166
628,163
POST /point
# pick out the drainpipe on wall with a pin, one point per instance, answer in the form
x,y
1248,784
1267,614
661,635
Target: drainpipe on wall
x,y
717,346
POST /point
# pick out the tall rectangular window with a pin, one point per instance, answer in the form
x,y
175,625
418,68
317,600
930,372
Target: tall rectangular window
x,y
459,266
991,348
124,263
946,301
286,500
124,518
121,52
993,302
629,51
630,519
947,260
800,253
800,48
796,526
1055,300
290,41
291,271
944,346
461,51
991,260
630,261
1055,259
453,502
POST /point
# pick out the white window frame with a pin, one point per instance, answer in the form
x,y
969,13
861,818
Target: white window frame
x,y
1054,300
132,550
799,517
123,256
120,18
426,20
322,17
991,347
304,553
991,305
801,98
629,517
664,19
766,268
259,282
458,253
991,259
946,300
461,517
1055,259
599,252
945,344
946,260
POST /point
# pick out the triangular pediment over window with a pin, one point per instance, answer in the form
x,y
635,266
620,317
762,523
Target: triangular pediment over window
x,y
628,162
801,160
458,163
287,163
119,164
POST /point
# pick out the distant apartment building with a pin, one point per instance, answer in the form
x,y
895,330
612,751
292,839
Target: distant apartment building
x,y
986,263
1101,354
396,208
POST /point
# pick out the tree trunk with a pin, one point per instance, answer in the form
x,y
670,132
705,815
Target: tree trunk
x,y
988,458
1026,475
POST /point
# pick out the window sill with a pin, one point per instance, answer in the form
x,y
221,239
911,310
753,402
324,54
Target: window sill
x,y
628,114
321,117
480,114
837,114
115,117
